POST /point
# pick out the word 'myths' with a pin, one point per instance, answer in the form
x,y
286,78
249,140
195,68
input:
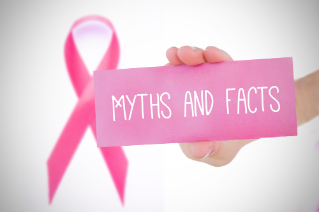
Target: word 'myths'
x,y
152,104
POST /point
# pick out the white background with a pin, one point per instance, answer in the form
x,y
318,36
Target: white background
x,y
275,174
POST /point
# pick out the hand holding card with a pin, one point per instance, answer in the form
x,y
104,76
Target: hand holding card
x,y
223,152
217,153
209,102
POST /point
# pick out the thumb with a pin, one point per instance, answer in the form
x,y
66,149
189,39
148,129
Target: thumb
x,y
215,153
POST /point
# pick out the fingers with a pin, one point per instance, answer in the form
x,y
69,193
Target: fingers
x,y
215,55
185,55
215,153
190,55
172,57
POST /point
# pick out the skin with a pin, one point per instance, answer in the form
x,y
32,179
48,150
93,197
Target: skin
x,y
221,153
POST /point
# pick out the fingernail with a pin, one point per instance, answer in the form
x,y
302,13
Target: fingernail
x,y
211,150
193,47
225,53
203,149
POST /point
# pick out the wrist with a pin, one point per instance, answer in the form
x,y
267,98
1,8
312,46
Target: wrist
x,y
307,97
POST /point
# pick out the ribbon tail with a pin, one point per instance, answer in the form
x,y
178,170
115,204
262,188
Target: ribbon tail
x,y
60,157
117,164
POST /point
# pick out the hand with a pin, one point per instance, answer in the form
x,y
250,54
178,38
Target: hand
x,y
220,153
215,153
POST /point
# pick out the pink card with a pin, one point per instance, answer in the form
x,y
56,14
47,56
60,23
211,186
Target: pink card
x,y
208,102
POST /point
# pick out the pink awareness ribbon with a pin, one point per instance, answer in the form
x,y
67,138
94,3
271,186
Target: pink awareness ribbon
x,y
83,115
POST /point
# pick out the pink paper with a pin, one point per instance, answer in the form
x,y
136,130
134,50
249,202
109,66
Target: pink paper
x,y
208,102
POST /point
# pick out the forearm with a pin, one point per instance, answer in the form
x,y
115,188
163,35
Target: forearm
x,y
307,97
